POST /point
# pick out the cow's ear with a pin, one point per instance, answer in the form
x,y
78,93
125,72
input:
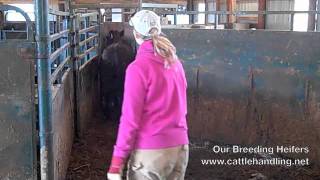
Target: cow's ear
x,y
122,33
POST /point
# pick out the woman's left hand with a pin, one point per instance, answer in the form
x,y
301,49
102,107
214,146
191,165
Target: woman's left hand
x,y
111,176
115,169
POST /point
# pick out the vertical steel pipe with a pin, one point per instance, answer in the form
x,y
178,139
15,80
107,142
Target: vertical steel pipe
x,y
318,16
99,31
262,17
86,35
291,21
2,18
140,5
44,90
190,7
312,17
73,37
229,9
217,15
206,16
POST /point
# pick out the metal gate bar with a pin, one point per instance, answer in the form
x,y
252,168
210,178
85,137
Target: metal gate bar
x,y
85,51
29,29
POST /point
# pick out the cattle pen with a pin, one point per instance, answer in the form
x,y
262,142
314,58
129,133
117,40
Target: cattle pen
x,y
253,75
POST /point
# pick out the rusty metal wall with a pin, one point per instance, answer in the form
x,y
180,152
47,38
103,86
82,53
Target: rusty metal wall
x,y
17,111
252,87
88,94
63,124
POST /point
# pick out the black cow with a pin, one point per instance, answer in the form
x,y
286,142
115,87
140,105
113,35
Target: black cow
x,y
116,57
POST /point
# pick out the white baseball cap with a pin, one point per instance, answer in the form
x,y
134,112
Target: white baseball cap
x,y
145,20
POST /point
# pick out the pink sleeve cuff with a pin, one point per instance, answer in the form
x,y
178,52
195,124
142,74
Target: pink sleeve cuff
x,y
116,164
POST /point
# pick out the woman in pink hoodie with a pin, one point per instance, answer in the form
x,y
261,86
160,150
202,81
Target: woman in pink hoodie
x,y
152,133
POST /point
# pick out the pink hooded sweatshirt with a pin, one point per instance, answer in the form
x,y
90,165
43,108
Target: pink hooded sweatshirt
x,y
154,106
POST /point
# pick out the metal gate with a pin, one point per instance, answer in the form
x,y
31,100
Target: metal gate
x,y
72,59
87,45
56,71
17,103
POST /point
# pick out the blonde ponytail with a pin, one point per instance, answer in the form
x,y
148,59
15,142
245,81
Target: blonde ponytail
x,y
163,47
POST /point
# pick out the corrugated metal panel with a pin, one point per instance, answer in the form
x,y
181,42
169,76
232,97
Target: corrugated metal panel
x,y
223,7
279,22
247,5
211,7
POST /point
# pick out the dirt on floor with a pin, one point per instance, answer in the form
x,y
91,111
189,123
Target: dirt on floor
x,y
91,157
91,153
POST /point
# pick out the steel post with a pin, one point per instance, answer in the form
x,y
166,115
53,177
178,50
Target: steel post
x,y
44,90
318,16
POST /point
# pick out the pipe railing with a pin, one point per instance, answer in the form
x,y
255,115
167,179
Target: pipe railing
x,y
86,52
224,12
91,28
58,52
54,75
60,58
106,5
87,37
58,13
217,14
89,14
58,35
82,43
